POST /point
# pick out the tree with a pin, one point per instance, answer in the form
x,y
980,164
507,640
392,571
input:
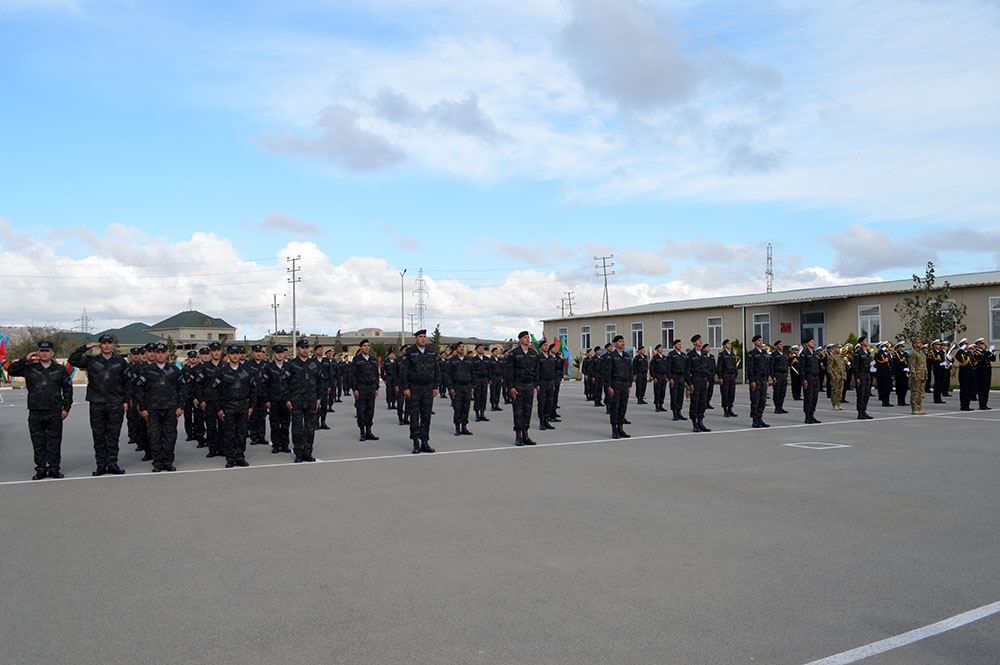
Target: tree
x,y
380,349
436,338
171,350
338,344
929,311
28,342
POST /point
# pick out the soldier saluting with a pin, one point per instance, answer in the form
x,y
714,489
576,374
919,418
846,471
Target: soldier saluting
x,y
107,394
50,397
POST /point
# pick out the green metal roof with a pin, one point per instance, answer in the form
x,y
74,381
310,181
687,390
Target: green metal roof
x,y
191,319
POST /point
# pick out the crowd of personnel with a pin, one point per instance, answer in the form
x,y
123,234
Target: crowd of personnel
x,y
228,398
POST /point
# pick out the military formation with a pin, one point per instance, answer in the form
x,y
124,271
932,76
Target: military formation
x,y
229,400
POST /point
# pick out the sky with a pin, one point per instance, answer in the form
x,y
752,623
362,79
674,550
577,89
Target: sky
x,y
153,154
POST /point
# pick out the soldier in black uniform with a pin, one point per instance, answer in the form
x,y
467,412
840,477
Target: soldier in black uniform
x,y
585,373
558,368
658,372
883,373
727,369
107,387
274,386
188,373
811,372
306,382
496,379
616,369
161,394
142,427
330,374
759,374
706,350
640,373
965,358
697,374
984,372
546,392
50,397
364,386
521,374
863,370
419,377
460,380
779,376
237,393
132,413
676,372
208,401
258,421
388,372
901,373
597,390
402,412
796,372
480,382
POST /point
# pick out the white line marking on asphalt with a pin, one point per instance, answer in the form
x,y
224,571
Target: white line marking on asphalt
x,y
875,648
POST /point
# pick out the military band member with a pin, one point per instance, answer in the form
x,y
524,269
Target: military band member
x,y
900,372
727,369
460,387
795,372
676,372
706,350
658,374
883,373
161,393
208,401
364,386
419,378
274,386
640,372
521,374
50,398
965,358
107,395
811,372
496,379
698,373
864,369
779,376
759,374
388,373
258,421
837,366
480,382
918,377
984,372
236,393
616,368
307,379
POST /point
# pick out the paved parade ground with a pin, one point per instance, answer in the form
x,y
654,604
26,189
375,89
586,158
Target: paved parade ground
x,y
669,547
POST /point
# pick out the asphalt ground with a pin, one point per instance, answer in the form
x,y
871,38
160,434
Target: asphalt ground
x,y
669,547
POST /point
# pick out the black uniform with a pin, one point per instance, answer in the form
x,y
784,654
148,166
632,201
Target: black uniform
x,y
796,377
258,421
883,376
330,370
521,374
811,371
862,380
133,413
460,386
658,371
597,381
160,391
236,391
274,386
713,366
758,371
194,417
107,388
420,373
496,382
402,410
207,397
640,374
559,365
480,384
697,374
364,376
616,371
901,376
779,373
307,379
726,369
50,392
676,373
984,376
388,372
966,361
548,374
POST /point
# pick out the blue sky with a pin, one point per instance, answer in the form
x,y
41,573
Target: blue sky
x,y
155,152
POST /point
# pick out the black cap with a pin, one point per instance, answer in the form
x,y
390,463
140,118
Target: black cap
x,y
214,346
725,341
240,349
150,346
695,338
777,342
523,333
45,345
755,338
135,350
363,342
302,343
422,331
160,347
676,341
192,354
106,338
233,348
279,348
256,347
616,338
204,350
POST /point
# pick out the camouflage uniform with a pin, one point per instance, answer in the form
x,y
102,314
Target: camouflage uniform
x,y
837,366
918,375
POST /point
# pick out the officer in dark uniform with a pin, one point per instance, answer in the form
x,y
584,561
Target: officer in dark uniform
x,y
480,382
901,373
460,383
616,369
556,359
706,350
188,372
697,375
132,413
863,370
258,421
401,410
419,377
364,385
759,374
496,379
795,372
306,382
546,392
676,371
727,369
107,393
274,385
521,374
597,390
388,372
161,394
658,372
984,372
883,373
50,397
142,427
965,358
779,376
640,373
811,372
208,401
329,372
585,373
237,393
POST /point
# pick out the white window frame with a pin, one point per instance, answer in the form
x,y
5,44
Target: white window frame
x,y
868,317
585,338
610,331
993,304
759,326
666,338
714,336
637,341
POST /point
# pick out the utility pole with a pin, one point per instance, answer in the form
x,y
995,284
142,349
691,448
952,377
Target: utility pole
x,y
402,307
293,280
769,271
84,322
190,306
606,262
412,328
569,302
421,292
275,307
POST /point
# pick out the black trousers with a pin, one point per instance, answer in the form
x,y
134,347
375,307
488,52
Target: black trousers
x,y
796,386
966,386
130,418
281,420
496,387
902,383
677,394
390,394
162,426
598,391
479,394
554,404
364,406
711,390
233,428
402,407
325,400
727,390
883,385
810,395
303,427
640,389
522,407
659,391
460,403
194,422
213,428
419,407
758,398
699,398
984,377
258,422
618,402
939,374
45,428
587,383
863,390
106,426
779,393
545,394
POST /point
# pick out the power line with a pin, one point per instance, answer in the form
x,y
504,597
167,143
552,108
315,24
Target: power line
x,y
84,324
569,302
769,271
603,272
421,292
293,280
275,307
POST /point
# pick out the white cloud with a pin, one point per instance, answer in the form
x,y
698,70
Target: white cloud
x,y
276,221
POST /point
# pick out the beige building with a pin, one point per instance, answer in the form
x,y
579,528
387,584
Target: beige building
x,y
193,329
830,314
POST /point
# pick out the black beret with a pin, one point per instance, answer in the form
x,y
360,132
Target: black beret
x,y
45,345
523,333
755,338
777,342
676,341
233,348
203,350
192,354
160,347
279,348
695,338
302,343
256,347
215,346
363,342
616,338
106,338
422,331
725,341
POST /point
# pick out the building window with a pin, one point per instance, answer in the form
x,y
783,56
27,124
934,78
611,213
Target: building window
x,y
636,335
209,336
715,331
563,336
584,337
870,322
191,336
762,326
610,330
995,318
667,333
